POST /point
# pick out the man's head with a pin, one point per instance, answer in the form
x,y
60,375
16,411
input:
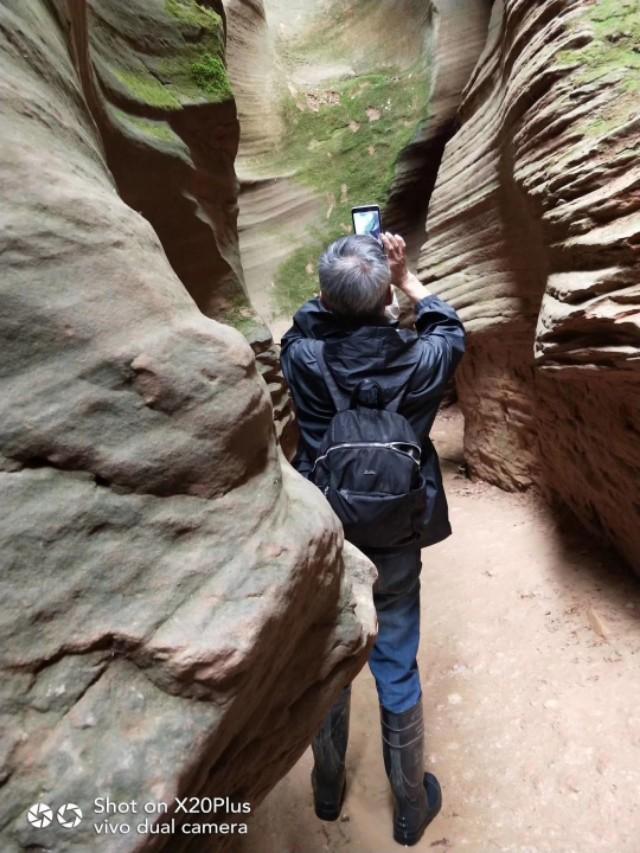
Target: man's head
x,y
355,277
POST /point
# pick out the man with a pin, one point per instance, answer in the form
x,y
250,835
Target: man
x,y
350,333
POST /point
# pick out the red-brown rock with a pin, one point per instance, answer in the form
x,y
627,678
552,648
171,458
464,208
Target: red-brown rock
x,y
534,235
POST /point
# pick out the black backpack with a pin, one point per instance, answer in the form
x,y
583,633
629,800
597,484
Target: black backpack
x,y
368,467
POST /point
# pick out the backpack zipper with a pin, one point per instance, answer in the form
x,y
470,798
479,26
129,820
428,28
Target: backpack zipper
x,y
390,445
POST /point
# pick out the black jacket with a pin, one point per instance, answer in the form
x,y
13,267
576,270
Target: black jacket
x,y
399,360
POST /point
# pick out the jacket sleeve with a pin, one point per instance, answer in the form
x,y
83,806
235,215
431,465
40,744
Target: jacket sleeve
x,y
291,341
290,337
442,342
296,351
308,322
298,359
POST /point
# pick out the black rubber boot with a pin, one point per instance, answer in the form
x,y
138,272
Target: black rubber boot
x,y
328,777
416,794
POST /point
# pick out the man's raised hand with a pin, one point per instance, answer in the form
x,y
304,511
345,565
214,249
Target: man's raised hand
x,y
406,281
396,250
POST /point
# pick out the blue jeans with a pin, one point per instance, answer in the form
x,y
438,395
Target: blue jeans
x,y
396,595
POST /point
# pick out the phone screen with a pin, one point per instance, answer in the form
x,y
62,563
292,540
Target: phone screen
x,y
367,220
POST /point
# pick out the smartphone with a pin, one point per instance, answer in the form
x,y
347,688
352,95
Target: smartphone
x,y
367,220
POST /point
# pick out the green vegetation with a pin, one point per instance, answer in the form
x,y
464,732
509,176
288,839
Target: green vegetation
x,y
344,143
191,66
613,54
147,88
210,75
239,314
296,279
199,70
194,14
156,129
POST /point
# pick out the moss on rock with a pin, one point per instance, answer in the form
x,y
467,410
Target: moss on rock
x,y
210,75
144,87
189,68
158,130
238,312
194,14
612,55
198,72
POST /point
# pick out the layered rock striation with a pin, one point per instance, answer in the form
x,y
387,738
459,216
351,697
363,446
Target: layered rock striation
x,y
455,36
534,236
178,607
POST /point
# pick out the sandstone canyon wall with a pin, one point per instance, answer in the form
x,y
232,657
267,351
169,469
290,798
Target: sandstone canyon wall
x,y
158,91
178,607
534,236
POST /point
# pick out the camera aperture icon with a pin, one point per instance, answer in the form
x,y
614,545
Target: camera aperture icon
x,y
69,815
40,815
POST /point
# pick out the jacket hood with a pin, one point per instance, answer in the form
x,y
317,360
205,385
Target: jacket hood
x,y
354,350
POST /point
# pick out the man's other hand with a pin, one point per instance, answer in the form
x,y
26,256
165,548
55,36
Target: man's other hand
x,y
396,250
408,283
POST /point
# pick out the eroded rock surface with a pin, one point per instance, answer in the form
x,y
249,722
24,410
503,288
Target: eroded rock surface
x,y
275,211
456,35
178,609
534,235
154,82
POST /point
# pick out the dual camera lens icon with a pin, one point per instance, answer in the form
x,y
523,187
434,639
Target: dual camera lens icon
x,y
40,816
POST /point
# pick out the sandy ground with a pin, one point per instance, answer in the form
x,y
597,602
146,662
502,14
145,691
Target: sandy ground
x,y
529,659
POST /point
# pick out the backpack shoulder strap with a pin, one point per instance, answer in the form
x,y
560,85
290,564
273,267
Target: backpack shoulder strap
x,y
394,404
341,400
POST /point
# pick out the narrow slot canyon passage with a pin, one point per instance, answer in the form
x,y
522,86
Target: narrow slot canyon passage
x,y
181,608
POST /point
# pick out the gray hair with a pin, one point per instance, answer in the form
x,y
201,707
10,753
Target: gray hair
x,y
355,276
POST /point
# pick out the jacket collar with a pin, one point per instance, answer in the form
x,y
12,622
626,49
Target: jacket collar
x,y
317,321
355,350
